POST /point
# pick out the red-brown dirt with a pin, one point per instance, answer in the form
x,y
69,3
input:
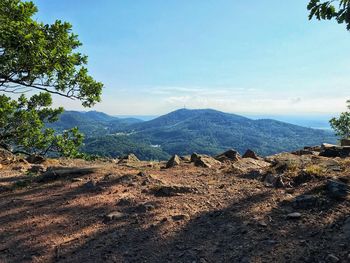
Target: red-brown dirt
x,y
181,214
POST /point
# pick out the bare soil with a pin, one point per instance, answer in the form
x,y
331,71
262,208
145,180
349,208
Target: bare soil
x,y
181,214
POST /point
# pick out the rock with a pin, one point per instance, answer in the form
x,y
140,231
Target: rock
x,y
53,173
316,148
332,258
330,164
230,155
174,161
273,180
116,215
262,223
35,159
142,174
75,180
305,201
251,154
129,159
294,215
337,190
305,152
270,179
206,162
186,158
126,202
331,151
111,177
143,208
172,190
36,169
90,186
195,157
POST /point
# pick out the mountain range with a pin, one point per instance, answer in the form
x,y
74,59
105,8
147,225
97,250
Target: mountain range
x,y
186,131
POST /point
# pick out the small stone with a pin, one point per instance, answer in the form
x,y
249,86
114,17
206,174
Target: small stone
x,y
142,174
262,224
77,180
305,201
116,215
294,215
125,202
91,186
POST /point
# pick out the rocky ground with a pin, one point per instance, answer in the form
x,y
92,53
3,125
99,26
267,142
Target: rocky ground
x,y
283,208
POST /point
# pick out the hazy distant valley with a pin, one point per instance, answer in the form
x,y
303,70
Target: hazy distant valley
x,y
187,131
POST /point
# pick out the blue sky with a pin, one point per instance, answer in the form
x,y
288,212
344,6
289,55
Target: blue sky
x,y
247,57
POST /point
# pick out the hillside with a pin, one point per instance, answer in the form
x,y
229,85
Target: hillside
x,y
91,123
186,131
284,208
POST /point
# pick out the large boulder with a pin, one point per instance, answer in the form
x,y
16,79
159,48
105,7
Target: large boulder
x,y
202,160
330,150
247,165
230,155
173,161
129,159
206,162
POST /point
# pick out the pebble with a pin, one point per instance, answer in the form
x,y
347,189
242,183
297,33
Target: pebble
x,y
116,215
77,180
294,215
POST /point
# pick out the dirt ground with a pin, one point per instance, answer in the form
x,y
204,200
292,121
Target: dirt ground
x,y
145,213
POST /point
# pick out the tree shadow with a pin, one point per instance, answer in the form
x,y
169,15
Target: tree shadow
x,y
250,227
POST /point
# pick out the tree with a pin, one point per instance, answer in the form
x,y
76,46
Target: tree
x,y
22,126
39,57
327,10
42,57
341,125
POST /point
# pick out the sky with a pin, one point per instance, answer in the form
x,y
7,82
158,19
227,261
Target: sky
x,y
244,57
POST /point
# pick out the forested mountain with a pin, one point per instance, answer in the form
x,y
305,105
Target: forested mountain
x,y
185,131
92,123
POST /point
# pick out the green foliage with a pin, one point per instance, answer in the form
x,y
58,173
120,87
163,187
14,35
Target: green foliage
x,y
341,125
116,146
22,127
38,56
327,10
